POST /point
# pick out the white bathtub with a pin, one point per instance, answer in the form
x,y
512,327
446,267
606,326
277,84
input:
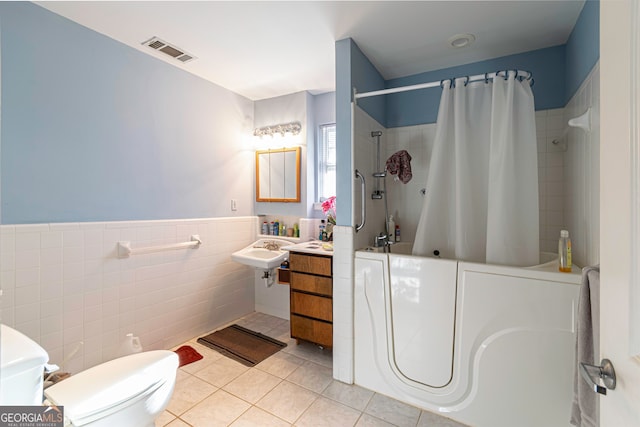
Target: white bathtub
x,y
486,345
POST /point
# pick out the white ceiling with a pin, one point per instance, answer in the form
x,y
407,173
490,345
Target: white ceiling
x,y
265,49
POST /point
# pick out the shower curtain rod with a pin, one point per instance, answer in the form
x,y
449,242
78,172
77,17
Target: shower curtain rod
x,y
486,76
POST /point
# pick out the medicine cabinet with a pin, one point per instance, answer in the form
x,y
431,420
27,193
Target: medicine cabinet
x,y
278,175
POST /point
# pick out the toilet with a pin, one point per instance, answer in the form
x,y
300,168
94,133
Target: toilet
x,y
130,391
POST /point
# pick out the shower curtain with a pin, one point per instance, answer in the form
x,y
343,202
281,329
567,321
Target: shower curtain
x,y
481,203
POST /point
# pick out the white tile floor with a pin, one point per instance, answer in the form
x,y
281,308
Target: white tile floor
x,y
293,387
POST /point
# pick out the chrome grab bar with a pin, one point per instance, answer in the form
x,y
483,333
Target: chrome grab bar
x,y
364,201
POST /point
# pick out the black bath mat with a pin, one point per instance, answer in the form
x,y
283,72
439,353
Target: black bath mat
x,y
242,345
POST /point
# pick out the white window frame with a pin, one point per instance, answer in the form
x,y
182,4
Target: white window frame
x,y
323,164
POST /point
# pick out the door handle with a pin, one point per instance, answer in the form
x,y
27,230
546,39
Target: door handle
x,y
592,373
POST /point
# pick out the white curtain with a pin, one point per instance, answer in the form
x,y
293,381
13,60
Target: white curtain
x,y
481,203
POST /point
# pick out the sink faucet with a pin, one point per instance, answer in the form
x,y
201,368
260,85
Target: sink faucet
x,y
271,246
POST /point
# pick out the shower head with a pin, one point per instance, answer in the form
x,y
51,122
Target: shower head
x,y
376,133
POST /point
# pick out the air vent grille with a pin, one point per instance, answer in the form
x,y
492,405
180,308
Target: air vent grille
x,y
156,44
168,49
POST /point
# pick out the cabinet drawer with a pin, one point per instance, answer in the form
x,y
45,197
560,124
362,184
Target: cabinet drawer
x,y
310,264
314,284
312,306
315,331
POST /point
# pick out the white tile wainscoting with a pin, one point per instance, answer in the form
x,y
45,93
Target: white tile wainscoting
x,y
63,284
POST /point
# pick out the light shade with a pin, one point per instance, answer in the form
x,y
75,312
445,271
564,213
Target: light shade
x,y
293,128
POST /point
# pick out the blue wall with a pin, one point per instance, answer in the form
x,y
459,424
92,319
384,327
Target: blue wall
x,y
93,130
421,106
558,72
582,48
353,69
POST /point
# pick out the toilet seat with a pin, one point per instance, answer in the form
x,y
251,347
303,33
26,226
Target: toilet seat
x,y
112,386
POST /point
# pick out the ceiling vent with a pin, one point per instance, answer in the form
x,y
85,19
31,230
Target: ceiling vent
x,y
168,49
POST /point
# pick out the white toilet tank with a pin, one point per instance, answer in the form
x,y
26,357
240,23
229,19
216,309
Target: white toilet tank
x,y
22,363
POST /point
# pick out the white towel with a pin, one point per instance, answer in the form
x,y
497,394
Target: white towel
x,y
583,409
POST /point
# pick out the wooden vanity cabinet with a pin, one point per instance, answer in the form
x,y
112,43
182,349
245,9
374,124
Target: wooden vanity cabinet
x,y
311,298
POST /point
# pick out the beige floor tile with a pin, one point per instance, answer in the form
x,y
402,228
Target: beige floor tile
x,y
178,423
429,419
189,390
208,357
283,329
392,411
252,385
221,372
328,413
256,417
312,376
219,409
367,420
260,327
311,352
348,394
219,391
287,401
280,364
164,418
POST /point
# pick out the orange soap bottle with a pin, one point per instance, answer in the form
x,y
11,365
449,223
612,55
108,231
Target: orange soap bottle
x,y
564,252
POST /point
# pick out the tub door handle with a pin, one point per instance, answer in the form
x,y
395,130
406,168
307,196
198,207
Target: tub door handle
x,y
592,373
363,212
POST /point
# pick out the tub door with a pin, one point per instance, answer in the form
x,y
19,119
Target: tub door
x,y
422,301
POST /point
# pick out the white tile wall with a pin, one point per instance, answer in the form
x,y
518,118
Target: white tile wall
x,y
582,174
552,147
63,284
365,161
405,200
343,260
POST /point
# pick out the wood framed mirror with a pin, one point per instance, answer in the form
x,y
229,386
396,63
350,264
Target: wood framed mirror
x,y
278,175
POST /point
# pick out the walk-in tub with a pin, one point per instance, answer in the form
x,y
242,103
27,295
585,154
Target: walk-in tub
x,y
486,345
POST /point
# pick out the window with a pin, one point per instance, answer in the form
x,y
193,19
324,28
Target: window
x,y
326,173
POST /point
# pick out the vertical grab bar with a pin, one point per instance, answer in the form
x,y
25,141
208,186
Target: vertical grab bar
x,y
364,201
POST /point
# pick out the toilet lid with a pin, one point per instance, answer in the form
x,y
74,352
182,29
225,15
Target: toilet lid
x,y
108,387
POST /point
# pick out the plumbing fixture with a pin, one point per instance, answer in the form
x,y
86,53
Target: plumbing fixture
x,y
378,193
269,277
383,241
269,245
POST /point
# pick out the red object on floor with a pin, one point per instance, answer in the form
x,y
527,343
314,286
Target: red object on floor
x,y
187,354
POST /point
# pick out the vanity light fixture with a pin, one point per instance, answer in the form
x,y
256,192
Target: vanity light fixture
x,y
293,127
